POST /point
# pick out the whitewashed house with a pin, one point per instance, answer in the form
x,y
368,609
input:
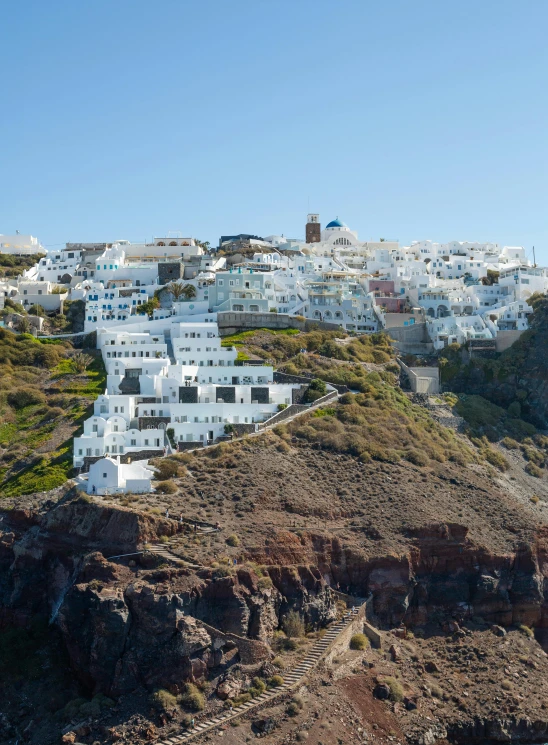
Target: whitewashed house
x,y
110,476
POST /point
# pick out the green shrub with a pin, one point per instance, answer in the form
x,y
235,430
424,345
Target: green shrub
x,y
416,457
359,641
293,624
292,709
534,470
233,540
243,698
509,443
192,698
23,397
396,689
290,645
496,459
275,681
163,700
165,468
526,631
533,455
264,583
166,487
37,310
316,390
259,684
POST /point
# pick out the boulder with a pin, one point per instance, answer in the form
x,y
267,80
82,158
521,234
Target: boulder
x,y
228,689
498,630
382,691
264,726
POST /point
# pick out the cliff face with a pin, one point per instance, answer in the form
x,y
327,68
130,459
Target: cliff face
x,y
130,626
443,573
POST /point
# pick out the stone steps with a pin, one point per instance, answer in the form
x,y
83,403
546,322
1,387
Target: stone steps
x,y
291,679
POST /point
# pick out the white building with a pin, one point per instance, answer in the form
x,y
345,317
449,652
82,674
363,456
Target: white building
x,y
109,476
20,245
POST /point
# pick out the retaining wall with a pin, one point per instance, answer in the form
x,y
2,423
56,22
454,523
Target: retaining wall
x,y
230,322
505,339
342,642
282,415
251,651
281,377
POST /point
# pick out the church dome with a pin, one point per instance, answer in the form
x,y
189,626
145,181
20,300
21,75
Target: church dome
x,y
336,224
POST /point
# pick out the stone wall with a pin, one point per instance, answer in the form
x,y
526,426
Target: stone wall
x,y
284,414
182,446
169,271
227,393
240,430
505,339
342,642
305,378
414,334
251,651
297,394
188,394
153,421
230,322
260,394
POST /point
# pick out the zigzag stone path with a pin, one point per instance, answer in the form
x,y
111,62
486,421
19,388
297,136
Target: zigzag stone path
x,y
291,679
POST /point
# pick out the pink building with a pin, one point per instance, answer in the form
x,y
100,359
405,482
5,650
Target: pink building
x,y
381,287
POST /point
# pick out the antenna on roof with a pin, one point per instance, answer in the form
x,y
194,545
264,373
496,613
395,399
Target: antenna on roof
x,y
534,259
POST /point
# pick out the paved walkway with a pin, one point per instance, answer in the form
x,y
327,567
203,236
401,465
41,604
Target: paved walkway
x,y
291,679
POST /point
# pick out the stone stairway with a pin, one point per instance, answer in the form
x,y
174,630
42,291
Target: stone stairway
x,y
291,680
162,550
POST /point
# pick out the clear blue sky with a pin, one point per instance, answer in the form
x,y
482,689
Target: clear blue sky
x,y
409,120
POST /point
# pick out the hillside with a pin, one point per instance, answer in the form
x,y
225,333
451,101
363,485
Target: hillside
x,y
370,495
44,396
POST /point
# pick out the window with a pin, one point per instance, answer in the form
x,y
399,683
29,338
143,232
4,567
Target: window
x,y
104,475
146,442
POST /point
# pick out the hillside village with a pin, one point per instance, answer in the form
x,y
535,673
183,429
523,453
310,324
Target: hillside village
x,y
199,446
172,384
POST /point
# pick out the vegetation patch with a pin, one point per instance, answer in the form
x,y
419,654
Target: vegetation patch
x,y
381,423
43,401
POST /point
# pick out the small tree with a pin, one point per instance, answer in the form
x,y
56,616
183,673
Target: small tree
x,y
316,390
293,624
177,290
37,310
189,292
23,326
80,362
